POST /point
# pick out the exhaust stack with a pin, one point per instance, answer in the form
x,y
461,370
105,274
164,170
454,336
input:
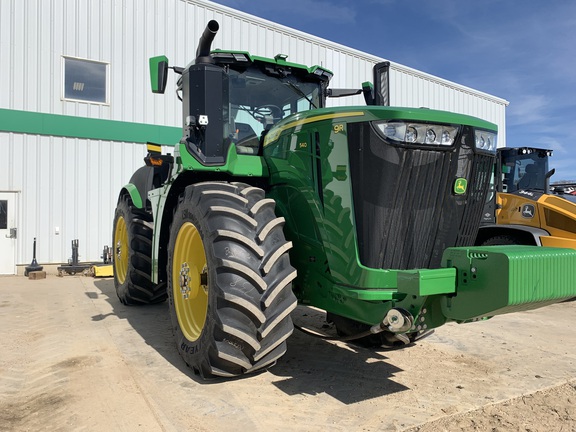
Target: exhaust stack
x,y
205,42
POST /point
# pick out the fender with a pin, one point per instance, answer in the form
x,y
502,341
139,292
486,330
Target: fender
x,y
141,182
492,229
141,190
132,190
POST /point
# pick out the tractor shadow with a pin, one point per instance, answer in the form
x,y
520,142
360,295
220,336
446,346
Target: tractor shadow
x,y
311,366
347,372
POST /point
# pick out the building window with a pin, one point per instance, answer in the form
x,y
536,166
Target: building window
x,y
3,214
85,80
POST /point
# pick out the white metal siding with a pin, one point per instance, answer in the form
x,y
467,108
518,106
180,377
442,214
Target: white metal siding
x,y
67,183
415,89
73,183
126,33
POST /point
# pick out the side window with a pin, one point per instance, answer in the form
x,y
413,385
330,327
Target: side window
x,y
85,80
303,105
281,149
252,126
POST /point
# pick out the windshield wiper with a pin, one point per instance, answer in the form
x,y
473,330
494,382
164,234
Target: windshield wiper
x,y
301,93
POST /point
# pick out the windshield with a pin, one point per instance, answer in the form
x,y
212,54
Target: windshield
x,y
258,100
526,171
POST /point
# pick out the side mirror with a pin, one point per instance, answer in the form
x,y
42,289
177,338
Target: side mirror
x,y
382,84
158,73
548,175
336,93
368,91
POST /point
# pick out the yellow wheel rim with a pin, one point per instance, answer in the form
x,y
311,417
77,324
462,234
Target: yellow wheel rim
x,y
189,281
121,250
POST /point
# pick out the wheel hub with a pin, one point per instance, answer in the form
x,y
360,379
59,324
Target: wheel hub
x,y
185,281
187,288
118,250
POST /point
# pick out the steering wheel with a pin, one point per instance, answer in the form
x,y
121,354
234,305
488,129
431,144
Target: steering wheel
x,y
264,111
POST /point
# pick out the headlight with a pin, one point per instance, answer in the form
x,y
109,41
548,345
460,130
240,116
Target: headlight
x,y
418,133
486,141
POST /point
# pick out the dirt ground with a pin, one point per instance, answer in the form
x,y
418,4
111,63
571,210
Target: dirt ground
x,y
73,358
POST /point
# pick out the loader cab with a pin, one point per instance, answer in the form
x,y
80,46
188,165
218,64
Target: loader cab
x,y
521,171
524,169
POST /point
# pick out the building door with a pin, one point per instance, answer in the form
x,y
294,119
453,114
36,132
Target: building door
x,y
8,233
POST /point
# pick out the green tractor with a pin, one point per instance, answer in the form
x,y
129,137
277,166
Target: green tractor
x,y
271,198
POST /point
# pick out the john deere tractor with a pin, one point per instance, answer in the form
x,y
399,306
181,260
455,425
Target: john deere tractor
x,y
271,198
521,210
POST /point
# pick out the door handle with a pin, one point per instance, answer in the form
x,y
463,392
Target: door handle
x,y
13,233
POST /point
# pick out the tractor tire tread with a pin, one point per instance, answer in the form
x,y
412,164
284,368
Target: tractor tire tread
x,y
248,310
138,289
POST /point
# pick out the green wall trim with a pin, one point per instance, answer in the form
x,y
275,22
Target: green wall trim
x,y
35,123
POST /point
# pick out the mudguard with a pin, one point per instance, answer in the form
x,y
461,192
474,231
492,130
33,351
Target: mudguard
x,y
141,182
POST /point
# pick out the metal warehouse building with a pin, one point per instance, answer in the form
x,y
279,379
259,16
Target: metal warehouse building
x,y
76,108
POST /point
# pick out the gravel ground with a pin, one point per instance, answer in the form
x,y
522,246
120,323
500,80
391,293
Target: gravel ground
x,y
74,358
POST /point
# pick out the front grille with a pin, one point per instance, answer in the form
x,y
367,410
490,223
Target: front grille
x,y
477,195
405,210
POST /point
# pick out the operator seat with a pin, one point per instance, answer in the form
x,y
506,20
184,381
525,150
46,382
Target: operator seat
x,y
244,130
248,141
530,178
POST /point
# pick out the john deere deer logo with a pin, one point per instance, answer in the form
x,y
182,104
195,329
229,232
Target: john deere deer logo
x,y
528,211
460,186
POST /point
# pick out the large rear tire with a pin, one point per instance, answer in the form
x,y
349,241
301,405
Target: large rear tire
x,y
229,280
132,256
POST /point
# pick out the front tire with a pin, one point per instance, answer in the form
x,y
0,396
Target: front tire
x,y
132,256
229,284
502,239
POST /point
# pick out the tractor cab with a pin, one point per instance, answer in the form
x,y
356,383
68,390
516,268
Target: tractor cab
x,y
234,98
262,91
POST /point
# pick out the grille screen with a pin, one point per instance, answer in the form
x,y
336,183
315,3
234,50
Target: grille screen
x,y
405,210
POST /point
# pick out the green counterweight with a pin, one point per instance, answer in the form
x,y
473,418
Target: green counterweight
x,y
502,279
